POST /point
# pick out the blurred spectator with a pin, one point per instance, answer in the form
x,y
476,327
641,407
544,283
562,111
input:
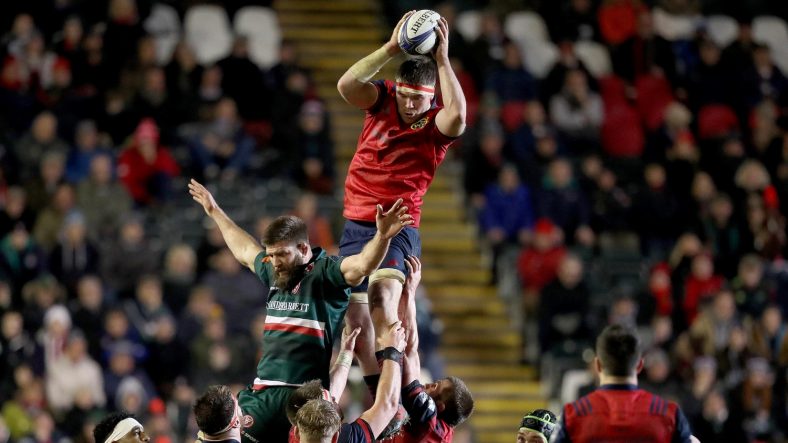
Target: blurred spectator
x,y
724,236
103,199
212,242
154,101
564,203
16,346
577,112
117,334
145,310
484,163
53,336
72,372
69,39
762,79
507,215
768,337
201,306
222,149
86,147
708,83
657,297
87,312
21,259
183,75
50,220
314,149
749,287
579,22
74,255
644,52
487,51
226,276
563,308
319,227
701,285
618,20
538,263
39,295
523,139
180,266
16,211
658,376
123,31
124,379
215,357
51,174
146,167
567,62
42,138
511,81
716,422
130,257
655,210
610,205
167,357
754,398
244,82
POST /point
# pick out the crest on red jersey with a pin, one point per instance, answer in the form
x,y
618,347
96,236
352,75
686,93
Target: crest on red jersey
x,y
420,124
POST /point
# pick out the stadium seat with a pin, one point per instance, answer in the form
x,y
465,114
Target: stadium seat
x,y
722,29
208,33
261,26
613,90
512,115
595,56
526,27
165,27
654,94
716,121
469,24
773,32
622,133
539,57
674,27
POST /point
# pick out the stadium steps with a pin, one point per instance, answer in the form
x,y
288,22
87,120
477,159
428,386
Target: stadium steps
x,y
479,343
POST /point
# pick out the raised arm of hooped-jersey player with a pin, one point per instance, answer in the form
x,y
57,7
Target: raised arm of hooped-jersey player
x,y
411,364
341,369
389,223
243,246
354,86
451,119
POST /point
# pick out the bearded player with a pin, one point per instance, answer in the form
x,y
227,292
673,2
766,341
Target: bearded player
x,y
307,299
405,137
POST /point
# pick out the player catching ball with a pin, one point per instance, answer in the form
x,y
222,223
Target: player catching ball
x,y
405,137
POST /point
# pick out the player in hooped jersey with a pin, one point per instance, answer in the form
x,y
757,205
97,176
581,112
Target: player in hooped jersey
x,y
618,411
307,299
404,139
437,408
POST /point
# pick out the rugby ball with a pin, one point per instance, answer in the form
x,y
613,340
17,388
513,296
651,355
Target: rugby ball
x,y
417,35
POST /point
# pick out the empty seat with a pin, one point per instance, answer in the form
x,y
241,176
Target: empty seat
x,y
539,57
654,94
622,133
525,26
261,26
716,121
595,56
208,33
613,90
722,29
469,24
674,27
773,32
165,27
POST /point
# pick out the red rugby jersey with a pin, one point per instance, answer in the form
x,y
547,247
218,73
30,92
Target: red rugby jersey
x,y
622,414
393,160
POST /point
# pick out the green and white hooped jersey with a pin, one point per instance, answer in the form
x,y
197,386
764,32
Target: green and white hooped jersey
x,y
301,324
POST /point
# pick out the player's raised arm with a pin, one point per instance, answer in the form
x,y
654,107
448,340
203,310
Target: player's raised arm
x,y
411,365
387,395
451,119
243,246
341,369
389,223
354,85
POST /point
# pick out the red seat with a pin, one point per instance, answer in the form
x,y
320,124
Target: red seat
x,y
613,90
716,121
512,115
654,94
622,132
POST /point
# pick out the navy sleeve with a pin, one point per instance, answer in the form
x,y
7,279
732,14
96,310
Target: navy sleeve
x,y
356,432
683,432
420,406
561,434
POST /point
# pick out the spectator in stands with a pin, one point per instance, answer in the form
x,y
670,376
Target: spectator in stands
x,y
645,53
87,312
72,372
145,310
18,348
753,398
146,167
87,146
50,175
103,199
524,138
610,204
222,149
723,234
314,149
217,357
319,227
567,62
118,332
563,310
657,376
123,378
16,211
201,306
21,259
483,163
507,216
717,422
565,204
751,290
767,337
701,285
39,295
155,102
243,81
577,112
122,34
487,51
74,255
762,80
180,266
166,356
511,81
129,257
538,263
226,276
655,210
708,82
579,22
53,335
183,75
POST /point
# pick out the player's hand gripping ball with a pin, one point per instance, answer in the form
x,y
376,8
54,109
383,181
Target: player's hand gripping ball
x,y
417,34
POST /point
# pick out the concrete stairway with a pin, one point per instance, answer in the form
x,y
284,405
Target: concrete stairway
x,y
479,344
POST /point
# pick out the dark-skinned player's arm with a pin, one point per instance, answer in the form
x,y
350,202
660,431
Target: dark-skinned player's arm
x,y
354,86
411,365
451,119
341,369
389,224
243,246
387,396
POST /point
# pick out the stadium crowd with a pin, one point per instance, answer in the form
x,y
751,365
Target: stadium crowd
x,y
654,195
